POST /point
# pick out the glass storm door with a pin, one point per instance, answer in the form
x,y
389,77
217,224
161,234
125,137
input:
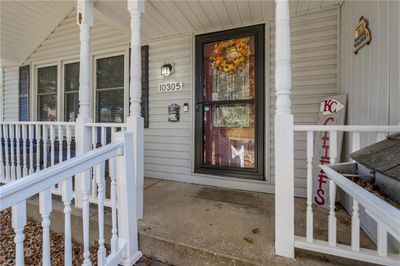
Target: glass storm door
x,y
229,102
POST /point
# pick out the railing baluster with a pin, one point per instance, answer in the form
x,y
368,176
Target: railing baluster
x,y
38,137
45,146
103,136
45,209
382,240
100,171
31,138
114,230
2,174
310,147
68,142
12,142
6,148
60,144
355,145
66,193
94,137
18,223
24,150
355,227
332,226
18,150
52,140
85,217
94,144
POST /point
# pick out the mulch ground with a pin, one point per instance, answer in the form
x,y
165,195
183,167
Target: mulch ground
x,y
33,244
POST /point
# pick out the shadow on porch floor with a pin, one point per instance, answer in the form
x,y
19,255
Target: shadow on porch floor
x,y
186,224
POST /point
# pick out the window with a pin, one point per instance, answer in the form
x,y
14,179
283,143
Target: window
x,y
71,91
23,92
47,93
229,103
110,89
145,85
144,101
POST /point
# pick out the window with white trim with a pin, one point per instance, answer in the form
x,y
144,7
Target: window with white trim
x,y
71,91
47,93
110,89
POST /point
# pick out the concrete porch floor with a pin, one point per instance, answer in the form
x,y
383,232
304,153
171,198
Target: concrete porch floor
x,y
186,224
192,225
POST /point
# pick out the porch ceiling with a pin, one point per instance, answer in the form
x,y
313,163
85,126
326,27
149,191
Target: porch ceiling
x,y
24,25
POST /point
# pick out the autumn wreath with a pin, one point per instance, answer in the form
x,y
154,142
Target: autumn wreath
x,y
231,55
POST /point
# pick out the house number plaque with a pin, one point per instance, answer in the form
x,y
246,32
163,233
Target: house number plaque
x,y
170,86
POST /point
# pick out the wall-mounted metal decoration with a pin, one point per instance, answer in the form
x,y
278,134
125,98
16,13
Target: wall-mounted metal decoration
x,y
173,112
362,35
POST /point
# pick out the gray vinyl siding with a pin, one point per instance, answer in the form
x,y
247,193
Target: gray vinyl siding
x,y
168,147
10,100
314,40
371,78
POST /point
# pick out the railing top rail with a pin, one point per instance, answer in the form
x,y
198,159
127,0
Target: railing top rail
x,y
55,123
383,211
347,128
105,124
26,187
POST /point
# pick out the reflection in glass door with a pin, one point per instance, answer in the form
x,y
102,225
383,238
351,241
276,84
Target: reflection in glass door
x,y
229,102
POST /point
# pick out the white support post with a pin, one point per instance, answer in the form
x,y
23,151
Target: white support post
x,y
284,147
135,121
1,91
82,133
126,203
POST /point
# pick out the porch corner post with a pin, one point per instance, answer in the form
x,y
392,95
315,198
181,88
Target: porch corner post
x,y
83,134
127,219
284,147
1,92
135,121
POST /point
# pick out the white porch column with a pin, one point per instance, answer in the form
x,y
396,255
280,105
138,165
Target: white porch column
x,y
1,92
83,134
284,158
135,121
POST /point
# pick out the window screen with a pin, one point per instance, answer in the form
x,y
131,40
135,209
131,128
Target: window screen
x,y
71,91
23,93
145,85
110,89
47,93
144,102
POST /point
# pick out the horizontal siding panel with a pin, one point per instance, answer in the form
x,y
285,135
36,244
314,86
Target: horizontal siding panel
x,y
168,161
170,139
314,76
10,100
167,154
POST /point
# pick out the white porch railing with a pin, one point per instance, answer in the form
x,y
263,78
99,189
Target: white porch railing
x,y
124,243
28,147
386,216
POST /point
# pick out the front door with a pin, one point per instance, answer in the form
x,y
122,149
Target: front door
x,y
229,103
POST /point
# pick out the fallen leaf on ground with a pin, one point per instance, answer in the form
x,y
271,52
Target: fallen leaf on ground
x,y
249,239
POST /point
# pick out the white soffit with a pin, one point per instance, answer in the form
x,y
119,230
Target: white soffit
x,y
24,25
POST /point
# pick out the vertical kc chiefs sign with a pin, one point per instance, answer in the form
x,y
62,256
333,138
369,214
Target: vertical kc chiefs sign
x,y
332,112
